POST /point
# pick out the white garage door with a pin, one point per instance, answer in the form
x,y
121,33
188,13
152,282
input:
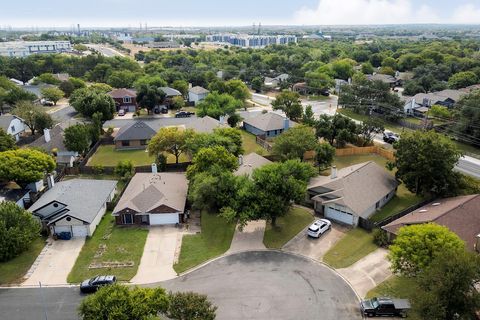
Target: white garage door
x,y
58,229
163,218
80,231
339,216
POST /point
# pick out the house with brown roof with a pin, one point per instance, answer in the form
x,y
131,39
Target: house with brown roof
x,y
153,199
459,214
134,136
125,99
352,193
248,163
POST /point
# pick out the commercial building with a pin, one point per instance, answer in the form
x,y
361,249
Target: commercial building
x,y
251,41
26,48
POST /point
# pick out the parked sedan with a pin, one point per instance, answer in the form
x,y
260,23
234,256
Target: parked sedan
x,y
183,114
318,228
390,137
93,284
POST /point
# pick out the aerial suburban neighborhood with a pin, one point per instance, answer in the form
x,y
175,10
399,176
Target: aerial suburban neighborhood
x,y
320,163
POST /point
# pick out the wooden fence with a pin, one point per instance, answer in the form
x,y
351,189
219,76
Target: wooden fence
x,y
263,143
390,155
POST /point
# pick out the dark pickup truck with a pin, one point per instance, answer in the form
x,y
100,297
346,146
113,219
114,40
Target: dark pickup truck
x,y
378,307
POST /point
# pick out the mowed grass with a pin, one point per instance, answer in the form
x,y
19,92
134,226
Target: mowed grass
x,y
362,117
12,271
122,244
214,240
286,227
108,156
356,244
250,145
346,161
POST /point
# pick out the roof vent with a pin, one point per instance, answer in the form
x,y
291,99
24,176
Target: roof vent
x,y
436,204
423,210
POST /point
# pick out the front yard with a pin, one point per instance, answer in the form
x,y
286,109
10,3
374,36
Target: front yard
x,y
12,272
214,240
356,244
110,244
286,228
107,156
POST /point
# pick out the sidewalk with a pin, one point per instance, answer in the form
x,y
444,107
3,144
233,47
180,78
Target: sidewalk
x,y
251,238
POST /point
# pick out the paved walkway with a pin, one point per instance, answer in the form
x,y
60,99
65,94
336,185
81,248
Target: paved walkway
x,y
250,238
368,272
55,262
158,255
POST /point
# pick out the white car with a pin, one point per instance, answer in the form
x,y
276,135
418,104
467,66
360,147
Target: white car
x,y
318,228
121,112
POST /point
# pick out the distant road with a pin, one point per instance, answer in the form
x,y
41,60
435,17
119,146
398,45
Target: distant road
x,y
106,51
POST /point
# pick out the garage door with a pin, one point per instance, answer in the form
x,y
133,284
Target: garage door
x,y
339,216
80,231
132,109
164,218
58,229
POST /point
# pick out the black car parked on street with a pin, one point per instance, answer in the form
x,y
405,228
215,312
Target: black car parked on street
x,y
93,284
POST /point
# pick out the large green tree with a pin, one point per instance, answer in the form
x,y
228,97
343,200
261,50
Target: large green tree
x,y
88,101
25,165
18,228
171,140
34,117
468,124
7,142
52,94
216,105
289,102
149,96
324,154
229,138
336,129
425,162
78,138
462,80
237,89
216,157
416,246
293,143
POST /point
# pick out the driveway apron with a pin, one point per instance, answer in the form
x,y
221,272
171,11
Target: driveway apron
x,y
250,238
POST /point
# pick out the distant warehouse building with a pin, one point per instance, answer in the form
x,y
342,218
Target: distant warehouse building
x,y
26,48
251,41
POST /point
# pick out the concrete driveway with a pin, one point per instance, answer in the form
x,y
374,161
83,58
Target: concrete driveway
x,y
55,262
250,238
368,272
271,285
315,248
158,255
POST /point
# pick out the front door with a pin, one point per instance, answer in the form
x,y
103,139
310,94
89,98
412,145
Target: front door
x,y
128,219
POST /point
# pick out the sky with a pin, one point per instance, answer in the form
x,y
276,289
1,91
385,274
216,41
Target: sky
x,y
130,13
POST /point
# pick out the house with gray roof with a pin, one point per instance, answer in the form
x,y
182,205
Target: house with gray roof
x,y
276,81
52,142
268,124
75,206
153,199
12,125
206,124
422,102
248,163
197,94
136,135
352,193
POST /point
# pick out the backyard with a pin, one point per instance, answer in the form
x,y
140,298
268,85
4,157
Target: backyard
x,y
286,227
214,239
107,156
12,271
250,145
356,244
109,244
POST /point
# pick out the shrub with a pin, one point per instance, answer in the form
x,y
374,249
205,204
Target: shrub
x,y
380,237
98,169
125,169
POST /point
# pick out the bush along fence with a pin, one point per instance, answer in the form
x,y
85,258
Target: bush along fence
x,y
370,225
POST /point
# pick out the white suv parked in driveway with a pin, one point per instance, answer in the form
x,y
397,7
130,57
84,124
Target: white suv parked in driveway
x,y
318,228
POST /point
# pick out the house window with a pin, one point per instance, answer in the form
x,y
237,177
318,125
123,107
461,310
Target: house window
x,y
143,142
127,219
13,128
127,100
125,143
377,205
68,219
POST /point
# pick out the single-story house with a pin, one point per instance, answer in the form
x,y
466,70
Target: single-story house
x,y
275,82
197,94
385,78
459,214
134,136
74,206
267,124
248,163
206,124
446,98
125,99
12,125
153,199
52,142
352,193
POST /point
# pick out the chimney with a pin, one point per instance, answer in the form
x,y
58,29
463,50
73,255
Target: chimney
x,y
190,86
46,135
286,123
240,160
50,181
154,168
222,120
334,172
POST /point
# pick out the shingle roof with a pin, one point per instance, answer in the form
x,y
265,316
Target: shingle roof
x,y
198,90
83,197
205,125
438,96
460,214
250,162
268,121
120,93
358,187
381,77
5,121
135,131
170,92
148,191
56,140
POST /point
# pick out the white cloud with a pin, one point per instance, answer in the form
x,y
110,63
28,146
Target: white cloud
x,y
466,14
351,12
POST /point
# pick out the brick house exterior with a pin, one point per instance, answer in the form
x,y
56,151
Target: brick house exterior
x,y
125,99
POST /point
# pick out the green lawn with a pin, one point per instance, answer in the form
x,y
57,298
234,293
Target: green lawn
x,y
286,228
468,149
396,287
12,272
402,200
106,155
356,244
214,240
346,161
122,244
362,117
249,144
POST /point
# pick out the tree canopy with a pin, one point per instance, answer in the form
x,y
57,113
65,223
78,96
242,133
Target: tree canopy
x,y
78,137
216,105
206,159
52,94
87,102
171,140
293,143
7,142
289,102
34,117
25,165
